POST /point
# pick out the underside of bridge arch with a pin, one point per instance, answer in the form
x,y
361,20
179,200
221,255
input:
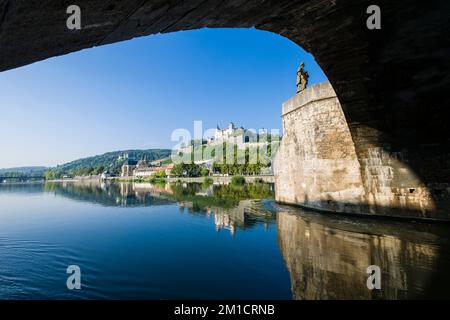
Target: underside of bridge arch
x,y
391,82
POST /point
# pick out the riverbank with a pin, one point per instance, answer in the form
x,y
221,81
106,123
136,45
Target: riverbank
x,y
215,179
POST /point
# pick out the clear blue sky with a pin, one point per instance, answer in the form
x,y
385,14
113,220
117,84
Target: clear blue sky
x,y
133,94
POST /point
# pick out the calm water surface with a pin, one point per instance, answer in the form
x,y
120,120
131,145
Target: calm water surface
x,y
143,241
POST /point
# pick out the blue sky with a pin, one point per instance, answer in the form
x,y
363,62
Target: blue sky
x,y
133,94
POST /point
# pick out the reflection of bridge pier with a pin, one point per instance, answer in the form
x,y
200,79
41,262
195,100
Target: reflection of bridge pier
x,y
328,259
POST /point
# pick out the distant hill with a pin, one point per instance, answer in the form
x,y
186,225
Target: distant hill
x,y
111,161
24,170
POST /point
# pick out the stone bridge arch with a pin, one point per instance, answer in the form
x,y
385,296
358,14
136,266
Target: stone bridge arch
x,y
391,82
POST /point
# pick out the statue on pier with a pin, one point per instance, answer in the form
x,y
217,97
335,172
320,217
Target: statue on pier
x,y
302,78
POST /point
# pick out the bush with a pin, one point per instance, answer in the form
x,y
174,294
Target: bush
x,y
208,181
204,172
160,182
160,175
238,180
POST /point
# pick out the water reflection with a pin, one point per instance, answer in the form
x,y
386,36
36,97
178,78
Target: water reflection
x,y
139,241
232,206
327,256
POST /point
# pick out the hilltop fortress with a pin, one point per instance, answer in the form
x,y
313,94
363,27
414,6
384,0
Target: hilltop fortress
x,y
233,135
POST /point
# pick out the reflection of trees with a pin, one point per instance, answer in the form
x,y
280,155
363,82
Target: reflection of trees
x,y
202,196
195,194
223,196
232,206
22,187
105,194
327,257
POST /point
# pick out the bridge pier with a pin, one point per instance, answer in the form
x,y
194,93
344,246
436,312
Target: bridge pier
x,y
325,164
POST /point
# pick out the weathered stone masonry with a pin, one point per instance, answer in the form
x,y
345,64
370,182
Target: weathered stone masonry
x,y
327,258
317,165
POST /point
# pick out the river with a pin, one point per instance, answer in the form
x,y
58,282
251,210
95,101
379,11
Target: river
x,y
201,241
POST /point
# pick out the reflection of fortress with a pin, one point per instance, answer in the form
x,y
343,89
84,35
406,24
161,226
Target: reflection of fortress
x,y
232,218
224,221
328,262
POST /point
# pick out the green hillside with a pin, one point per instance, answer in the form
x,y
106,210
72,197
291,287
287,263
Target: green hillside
x,y
111,161
24,170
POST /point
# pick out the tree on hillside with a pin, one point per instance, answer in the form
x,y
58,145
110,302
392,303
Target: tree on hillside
x,y
186,170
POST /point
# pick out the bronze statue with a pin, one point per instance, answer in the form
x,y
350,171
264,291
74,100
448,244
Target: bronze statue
x,y
302,78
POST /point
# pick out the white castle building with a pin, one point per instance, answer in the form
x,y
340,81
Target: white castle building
x,y
226,134
238,136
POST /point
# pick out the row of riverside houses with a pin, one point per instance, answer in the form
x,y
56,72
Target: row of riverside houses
x,y
143,168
